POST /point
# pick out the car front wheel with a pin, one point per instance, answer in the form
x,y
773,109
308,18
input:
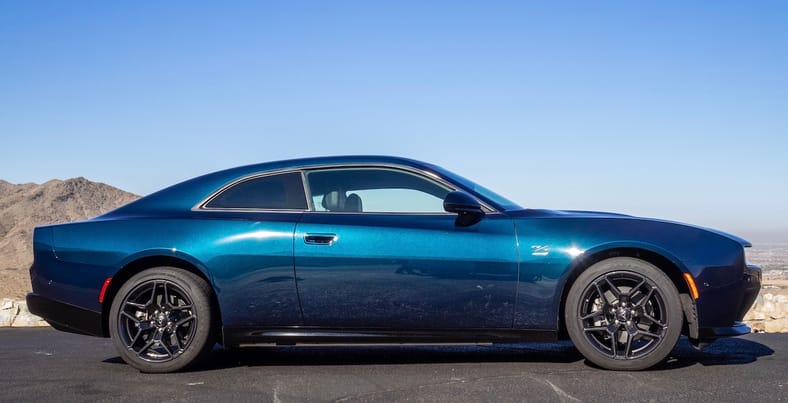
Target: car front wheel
x,y
161,320
623,314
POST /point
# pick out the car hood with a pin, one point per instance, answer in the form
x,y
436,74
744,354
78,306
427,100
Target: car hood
x,y
580,214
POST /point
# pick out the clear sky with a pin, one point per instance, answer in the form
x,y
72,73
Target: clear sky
x,y
676,109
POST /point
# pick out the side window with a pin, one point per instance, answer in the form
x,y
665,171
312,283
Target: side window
x,y
374,190
277,192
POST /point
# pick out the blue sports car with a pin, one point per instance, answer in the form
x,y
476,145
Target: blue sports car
x,y
367,249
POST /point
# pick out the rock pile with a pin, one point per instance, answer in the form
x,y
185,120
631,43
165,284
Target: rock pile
x,y
14,313
770,312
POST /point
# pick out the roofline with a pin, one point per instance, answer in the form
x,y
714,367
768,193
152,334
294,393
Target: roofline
x,y
303,162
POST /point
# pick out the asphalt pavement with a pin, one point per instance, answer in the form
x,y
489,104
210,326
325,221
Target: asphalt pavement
x,y
38,365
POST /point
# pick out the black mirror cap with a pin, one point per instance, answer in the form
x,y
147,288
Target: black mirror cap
x,y
461,202
468,208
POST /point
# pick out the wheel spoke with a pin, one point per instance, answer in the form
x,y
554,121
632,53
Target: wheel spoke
x,y
184,320
166,347
653,319
145,348
137,305
645,299
136,336
597,329
614,343
157,335
637,287
161,295
613,289
152,299
649,334
601,293
166,298
592,314
175,341
131,318
182,308
628,348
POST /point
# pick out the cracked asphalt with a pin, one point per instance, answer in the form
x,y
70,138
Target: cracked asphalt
x,y
46,365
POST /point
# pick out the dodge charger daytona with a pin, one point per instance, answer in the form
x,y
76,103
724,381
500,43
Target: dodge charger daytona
x,y
371,249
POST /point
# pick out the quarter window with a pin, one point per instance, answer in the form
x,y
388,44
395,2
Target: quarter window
x,y
273,192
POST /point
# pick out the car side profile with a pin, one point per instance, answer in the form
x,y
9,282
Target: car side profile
x,y
372,249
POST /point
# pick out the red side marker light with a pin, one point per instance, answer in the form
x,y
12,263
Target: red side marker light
x,y
104,289
691,283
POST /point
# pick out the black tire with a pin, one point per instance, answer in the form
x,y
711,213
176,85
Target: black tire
x,y
161,320
623,314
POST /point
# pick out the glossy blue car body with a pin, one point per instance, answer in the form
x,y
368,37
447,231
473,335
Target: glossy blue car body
x,y
377,276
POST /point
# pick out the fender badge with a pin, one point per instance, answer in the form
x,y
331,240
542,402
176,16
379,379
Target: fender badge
x,y
540,250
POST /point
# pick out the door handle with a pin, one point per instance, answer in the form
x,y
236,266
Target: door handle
x,y
320,239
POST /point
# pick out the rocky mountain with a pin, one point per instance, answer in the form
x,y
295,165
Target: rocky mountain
x,y
23,207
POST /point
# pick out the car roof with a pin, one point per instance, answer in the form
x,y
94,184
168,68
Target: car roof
x,y
185,195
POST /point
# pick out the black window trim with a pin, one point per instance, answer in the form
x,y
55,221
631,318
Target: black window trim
x,y
201,206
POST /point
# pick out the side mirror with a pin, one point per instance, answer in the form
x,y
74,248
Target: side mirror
x,y
469,210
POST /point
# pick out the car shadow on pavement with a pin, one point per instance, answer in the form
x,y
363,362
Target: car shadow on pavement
x,y
727,351
561,352
732,351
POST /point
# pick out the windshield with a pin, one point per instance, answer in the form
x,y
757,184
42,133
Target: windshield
x,y
481,191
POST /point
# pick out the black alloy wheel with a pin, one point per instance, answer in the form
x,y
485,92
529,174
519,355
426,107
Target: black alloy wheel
x,y
624,314
161,320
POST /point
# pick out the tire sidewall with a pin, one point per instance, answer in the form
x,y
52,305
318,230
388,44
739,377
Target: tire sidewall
x,y
199,292
670,297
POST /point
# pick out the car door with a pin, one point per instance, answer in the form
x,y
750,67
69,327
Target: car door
x,y
247,231
377,250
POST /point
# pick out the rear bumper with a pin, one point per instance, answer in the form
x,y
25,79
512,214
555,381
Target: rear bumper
x,y
65,317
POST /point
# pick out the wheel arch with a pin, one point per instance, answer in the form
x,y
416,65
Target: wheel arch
x,y
670,266
147,262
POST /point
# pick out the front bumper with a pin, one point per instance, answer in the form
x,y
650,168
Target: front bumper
x,y
752,286
65,317
748,292
713,333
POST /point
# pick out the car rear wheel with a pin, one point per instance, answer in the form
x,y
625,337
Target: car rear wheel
x,y
623,314
161,320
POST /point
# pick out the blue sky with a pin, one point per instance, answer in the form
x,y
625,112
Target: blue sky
x,y
676,110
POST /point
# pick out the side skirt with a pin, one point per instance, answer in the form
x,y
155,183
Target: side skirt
x,y
303,335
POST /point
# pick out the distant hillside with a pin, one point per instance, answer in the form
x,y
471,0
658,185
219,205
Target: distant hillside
x,y
23,207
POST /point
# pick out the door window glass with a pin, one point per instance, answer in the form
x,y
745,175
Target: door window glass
x,y
374,190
